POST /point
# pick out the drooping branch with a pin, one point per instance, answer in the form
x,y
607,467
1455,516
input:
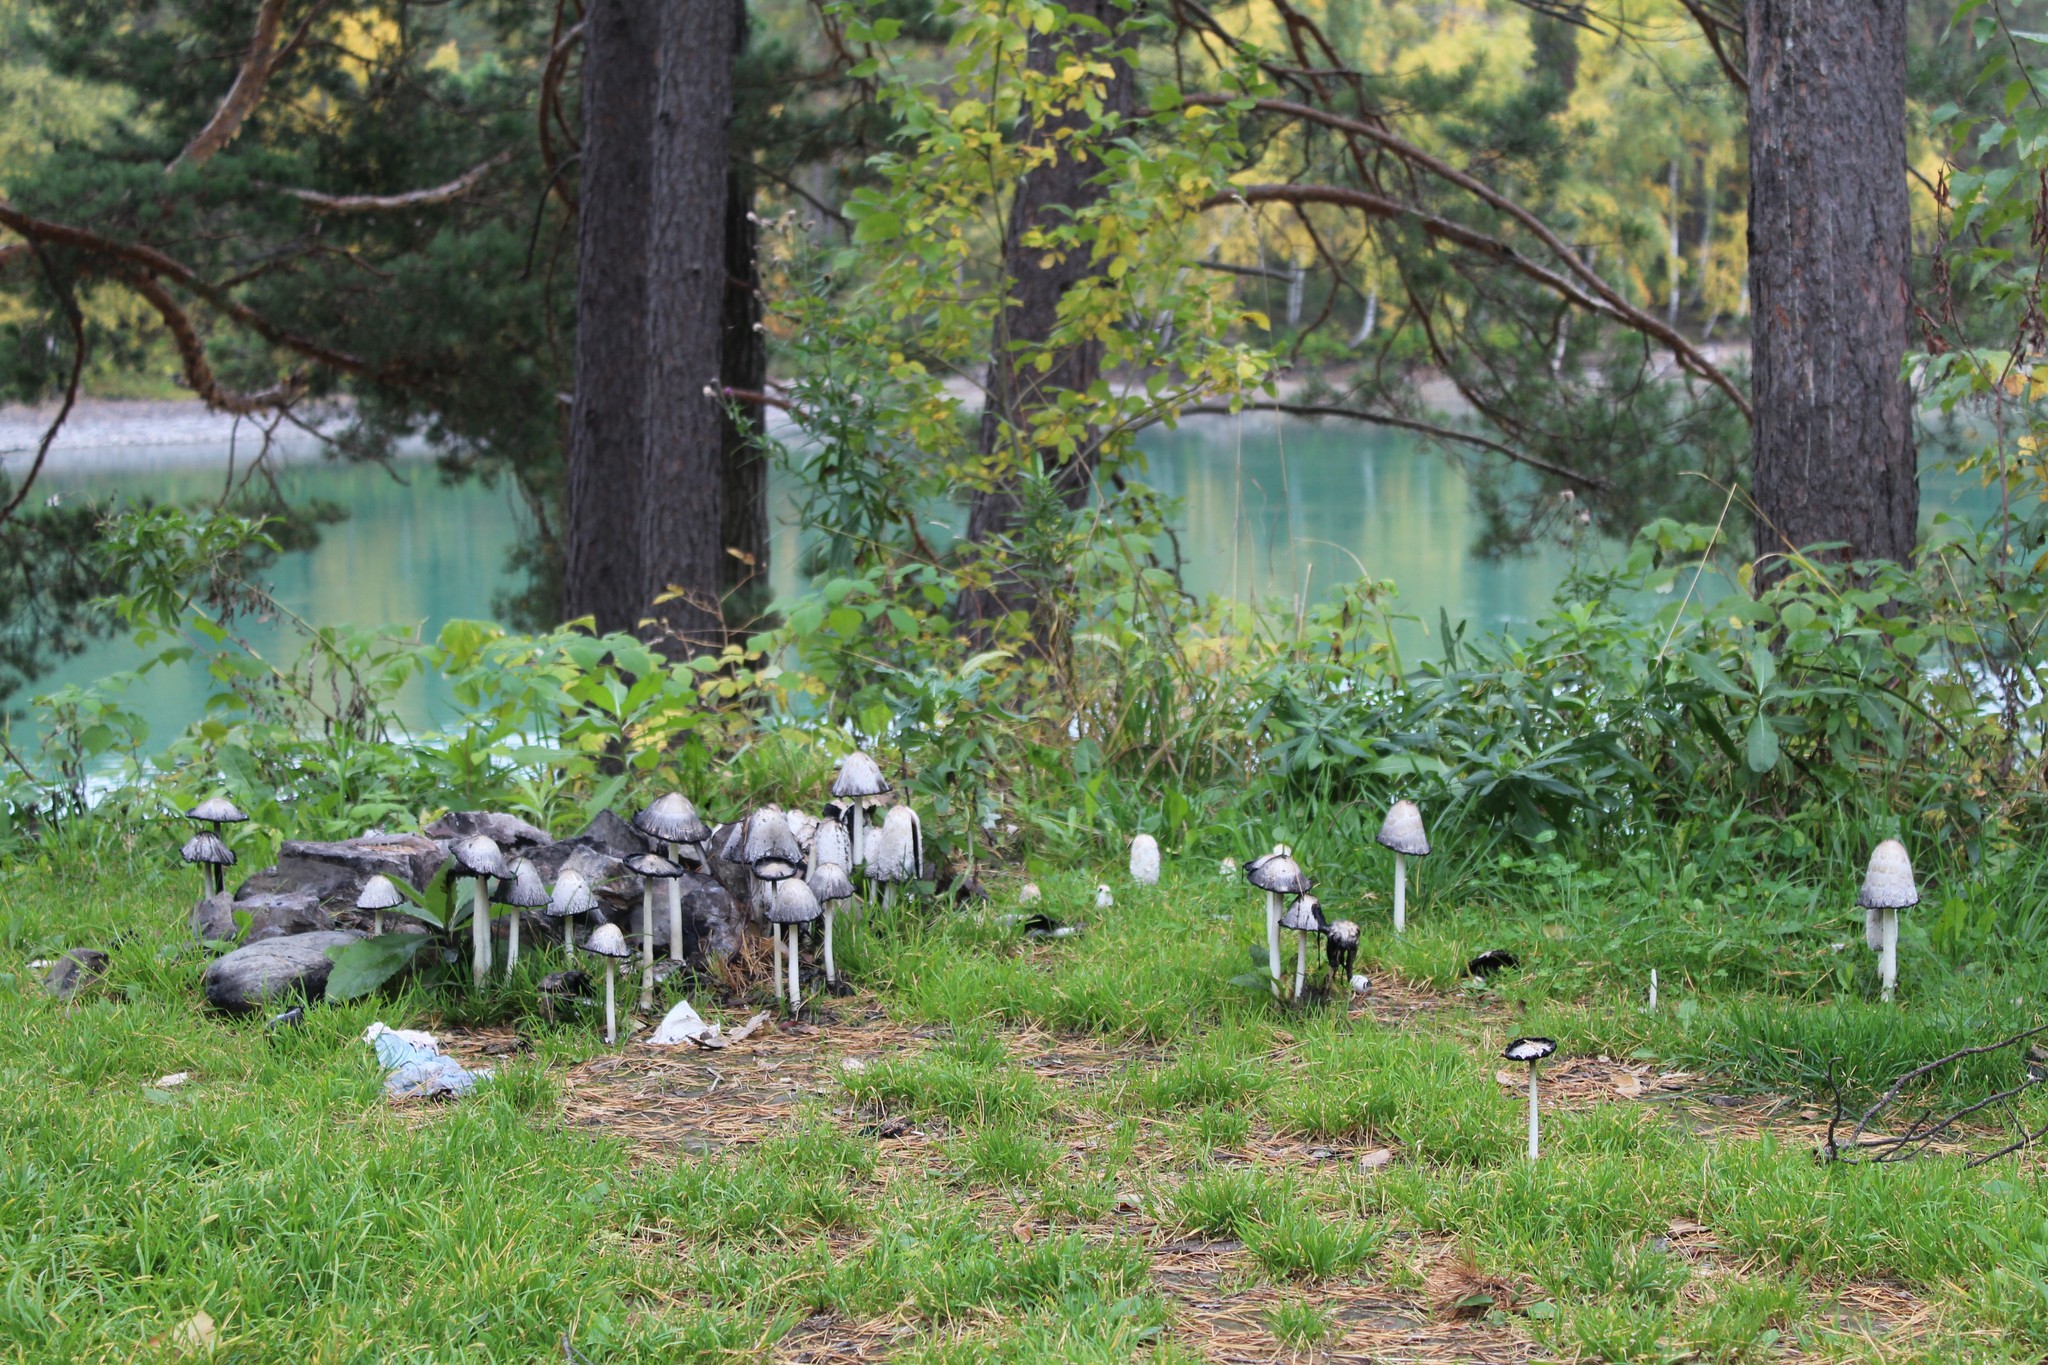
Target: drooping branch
x,y
243,95
199,376
1612,302
411,199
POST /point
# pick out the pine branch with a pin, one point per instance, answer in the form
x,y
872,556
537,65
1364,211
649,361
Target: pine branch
x,y
243,95
411,199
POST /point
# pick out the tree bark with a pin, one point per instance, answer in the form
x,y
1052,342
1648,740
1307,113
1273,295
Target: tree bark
x,y
601,546
744,365
1833,456
1046,198
681,488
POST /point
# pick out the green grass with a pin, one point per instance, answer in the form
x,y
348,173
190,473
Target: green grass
x,y
279,1194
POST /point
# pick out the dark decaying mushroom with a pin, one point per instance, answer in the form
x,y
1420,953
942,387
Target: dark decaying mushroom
x,y
1532,1051
1340,946
210,852
1304,916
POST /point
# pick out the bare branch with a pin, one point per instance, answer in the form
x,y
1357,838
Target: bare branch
x,y
199,374
68,302
411,199
243,95
1713,26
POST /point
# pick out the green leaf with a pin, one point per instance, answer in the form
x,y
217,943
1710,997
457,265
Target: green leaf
x,y
1710,673
366,964
1763,745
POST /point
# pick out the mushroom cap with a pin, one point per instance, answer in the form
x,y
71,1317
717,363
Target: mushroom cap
x,y
523,889
652,865
832,844
1343,933
776,870
897,855
572,895
1529,1049
1277,872
1145,859
829,882
804,826
769,836
607,941
1402,830
477,856
1888,885
792,902
1103,899
673,820
859,777
1028,893
206,848
217,810
1304,912
379,893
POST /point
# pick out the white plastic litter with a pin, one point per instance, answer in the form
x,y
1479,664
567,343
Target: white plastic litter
x,y
682,1025
414,1067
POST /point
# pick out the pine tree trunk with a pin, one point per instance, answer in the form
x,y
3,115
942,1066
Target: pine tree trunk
x,y
1833,455
744,366
601,570
1046,197
681,484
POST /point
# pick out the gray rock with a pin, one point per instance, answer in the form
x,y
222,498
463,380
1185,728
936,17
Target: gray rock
x,y
508,832
711,923
280,914
596,862
335,872
78,970
252,976
612,834
213,918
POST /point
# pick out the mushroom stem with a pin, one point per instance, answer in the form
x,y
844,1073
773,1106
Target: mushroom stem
x,y
1888,954
646,944
512,941
796,999
776,975
480,931
859,853
831,972
611,1008
1273,939
377,926
568,942
1534,1144
1400,894
888,894
1653,990
675,909
1300,961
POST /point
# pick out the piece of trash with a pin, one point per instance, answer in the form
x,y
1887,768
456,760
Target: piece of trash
x,y
291,1018
174,1079
414,1066
682,1025
746,1030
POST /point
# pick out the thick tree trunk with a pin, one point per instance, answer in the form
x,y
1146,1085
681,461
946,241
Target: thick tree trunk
x,y
1833,442
681,484
601,547
744,366
1046,198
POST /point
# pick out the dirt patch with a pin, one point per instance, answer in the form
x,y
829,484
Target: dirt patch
x,y
1582,1082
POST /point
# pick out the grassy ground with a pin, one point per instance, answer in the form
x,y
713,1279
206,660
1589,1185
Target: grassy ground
x,y
1087,1149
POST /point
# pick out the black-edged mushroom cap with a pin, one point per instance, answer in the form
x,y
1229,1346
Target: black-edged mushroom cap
x,y
1888,885
523,889
859,778
478,856
1305,913
895,854
652,865
572,895
1529,1049
769,836
777,869
607,941
832,844
829,882
792,902
1277,872
673,820
379,893
1343,933
1402,830
206,849
216,810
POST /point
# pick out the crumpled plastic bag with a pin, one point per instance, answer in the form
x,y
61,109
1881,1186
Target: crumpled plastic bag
x,y
684,1025
414,1067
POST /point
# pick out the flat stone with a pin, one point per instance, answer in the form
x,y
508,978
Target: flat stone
x,y
252,976
280,914
508,832
213,918
335,871
78,970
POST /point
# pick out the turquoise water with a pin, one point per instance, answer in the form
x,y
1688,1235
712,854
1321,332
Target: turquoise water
x,y
1280,511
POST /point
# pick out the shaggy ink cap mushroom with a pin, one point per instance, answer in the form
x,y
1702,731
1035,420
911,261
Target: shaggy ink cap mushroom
x,y
832,844
1402,830
1529,1049
652,865
793,902
216,810
776,870
478,856
1888,885
859,778
1304,914
770,839
523,889
1145,860
897,855
207,849
572,895
607,941
672,820
379,893
829,882
1277,872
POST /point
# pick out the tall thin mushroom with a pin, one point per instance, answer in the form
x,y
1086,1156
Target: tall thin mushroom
x,y
571,897
792,903
209,852
608,943
673,821
1532,1051
1888,888
522,891
772,856
1402,832
897,854
1304,917
650,868
858,783
482,861
1145,860
1279,876
379,894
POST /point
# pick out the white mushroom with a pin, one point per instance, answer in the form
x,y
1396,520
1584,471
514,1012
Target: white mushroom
x,y
1402,832
1532,1051
650,868
482,861
1304,917
571,897
1279,876
858,782
1028,893
379,894
522,891
1103,900
896,853
675,822
210,852
792,903
608,943
830,884
1888,888
1145,860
